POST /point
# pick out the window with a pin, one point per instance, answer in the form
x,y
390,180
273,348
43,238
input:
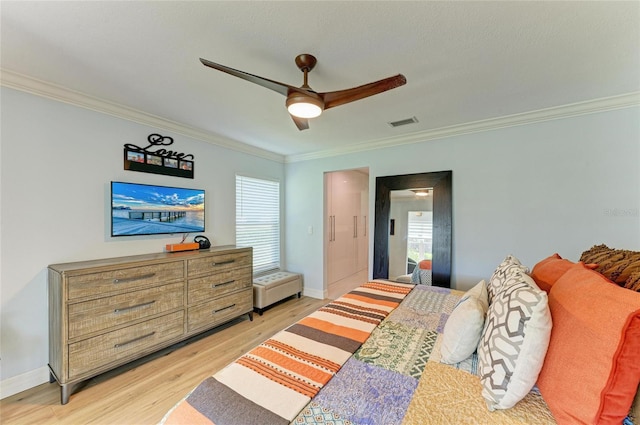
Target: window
x,y
258,221
419,235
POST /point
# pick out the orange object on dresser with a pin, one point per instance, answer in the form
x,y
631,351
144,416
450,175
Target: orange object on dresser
x,y
176,247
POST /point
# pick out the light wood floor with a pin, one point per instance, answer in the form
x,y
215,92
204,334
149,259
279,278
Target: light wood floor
x,y
143,392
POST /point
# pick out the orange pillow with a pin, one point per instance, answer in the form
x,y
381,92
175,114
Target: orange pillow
x,y
549,270
425,264
592,367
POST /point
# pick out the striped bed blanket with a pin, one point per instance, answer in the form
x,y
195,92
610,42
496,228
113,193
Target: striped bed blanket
x,y
272,383
369,357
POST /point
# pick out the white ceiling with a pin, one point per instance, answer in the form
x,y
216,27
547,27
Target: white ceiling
x,y
464,61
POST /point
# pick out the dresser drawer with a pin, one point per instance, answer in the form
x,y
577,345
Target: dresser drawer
x,y
122,279
103,313
93,353
220,310
215,285
217,263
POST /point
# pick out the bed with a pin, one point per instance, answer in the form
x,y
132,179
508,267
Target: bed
x,y
378,355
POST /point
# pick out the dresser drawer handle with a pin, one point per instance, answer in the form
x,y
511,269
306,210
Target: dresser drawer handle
x,y
131,279
224,308
122,310
222,263
215,285
134,340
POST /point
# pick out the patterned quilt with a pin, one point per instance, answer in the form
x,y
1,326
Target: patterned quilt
x,y
273,382
365,358
396,376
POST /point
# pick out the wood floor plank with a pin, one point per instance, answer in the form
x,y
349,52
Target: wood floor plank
x,y
143,391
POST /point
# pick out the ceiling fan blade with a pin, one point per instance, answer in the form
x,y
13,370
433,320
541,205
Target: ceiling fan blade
x,y
340,97
301,123
281,88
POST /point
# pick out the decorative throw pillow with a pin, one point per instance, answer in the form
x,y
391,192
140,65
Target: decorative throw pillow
x,y
463,329
633,282
514,342
592,369
596,254
633,268
511,265
621,266
548,271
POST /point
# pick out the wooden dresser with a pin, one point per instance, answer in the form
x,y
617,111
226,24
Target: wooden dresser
x,y
104,313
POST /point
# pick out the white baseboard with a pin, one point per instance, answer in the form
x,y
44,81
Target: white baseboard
x,y
17,384
313,293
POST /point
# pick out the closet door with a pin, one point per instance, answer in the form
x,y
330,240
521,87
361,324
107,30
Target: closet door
x,y
342,222
362,260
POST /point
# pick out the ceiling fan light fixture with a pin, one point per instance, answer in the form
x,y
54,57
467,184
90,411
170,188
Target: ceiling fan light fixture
x,y
302,106
421,192
302,102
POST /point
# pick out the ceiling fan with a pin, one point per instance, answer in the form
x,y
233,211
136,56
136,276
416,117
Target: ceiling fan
x,y
304,103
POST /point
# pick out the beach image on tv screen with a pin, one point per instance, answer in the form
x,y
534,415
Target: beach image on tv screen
x,y
138,209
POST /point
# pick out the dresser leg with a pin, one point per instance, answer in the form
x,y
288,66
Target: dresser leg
x,y
65,392
250,316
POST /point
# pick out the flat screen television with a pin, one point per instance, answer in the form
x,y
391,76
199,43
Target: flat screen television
x,y
142,209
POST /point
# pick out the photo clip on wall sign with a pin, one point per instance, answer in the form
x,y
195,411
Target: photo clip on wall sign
x,y
155,158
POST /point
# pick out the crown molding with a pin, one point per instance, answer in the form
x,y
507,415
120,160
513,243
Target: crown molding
x,y
48,90
41,88
557,112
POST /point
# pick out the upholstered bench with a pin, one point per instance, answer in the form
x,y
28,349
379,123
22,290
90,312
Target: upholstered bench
x,y
274,287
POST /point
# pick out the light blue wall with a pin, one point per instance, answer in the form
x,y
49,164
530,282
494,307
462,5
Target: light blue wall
x,y
57,164
531,190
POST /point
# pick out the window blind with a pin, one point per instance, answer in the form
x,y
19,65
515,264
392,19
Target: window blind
x,y
420,235
258,220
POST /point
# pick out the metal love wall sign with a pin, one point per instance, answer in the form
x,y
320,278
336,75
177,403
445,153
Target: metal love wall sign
x,y
155,158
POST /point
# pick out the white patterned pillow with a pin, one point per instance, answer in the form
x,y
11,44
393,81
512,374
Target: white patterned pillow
x,y
511,265
514,342
463,329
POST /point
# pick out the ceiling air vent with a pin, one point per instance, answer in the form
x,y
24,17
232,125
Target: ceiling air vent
x,y
405,121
